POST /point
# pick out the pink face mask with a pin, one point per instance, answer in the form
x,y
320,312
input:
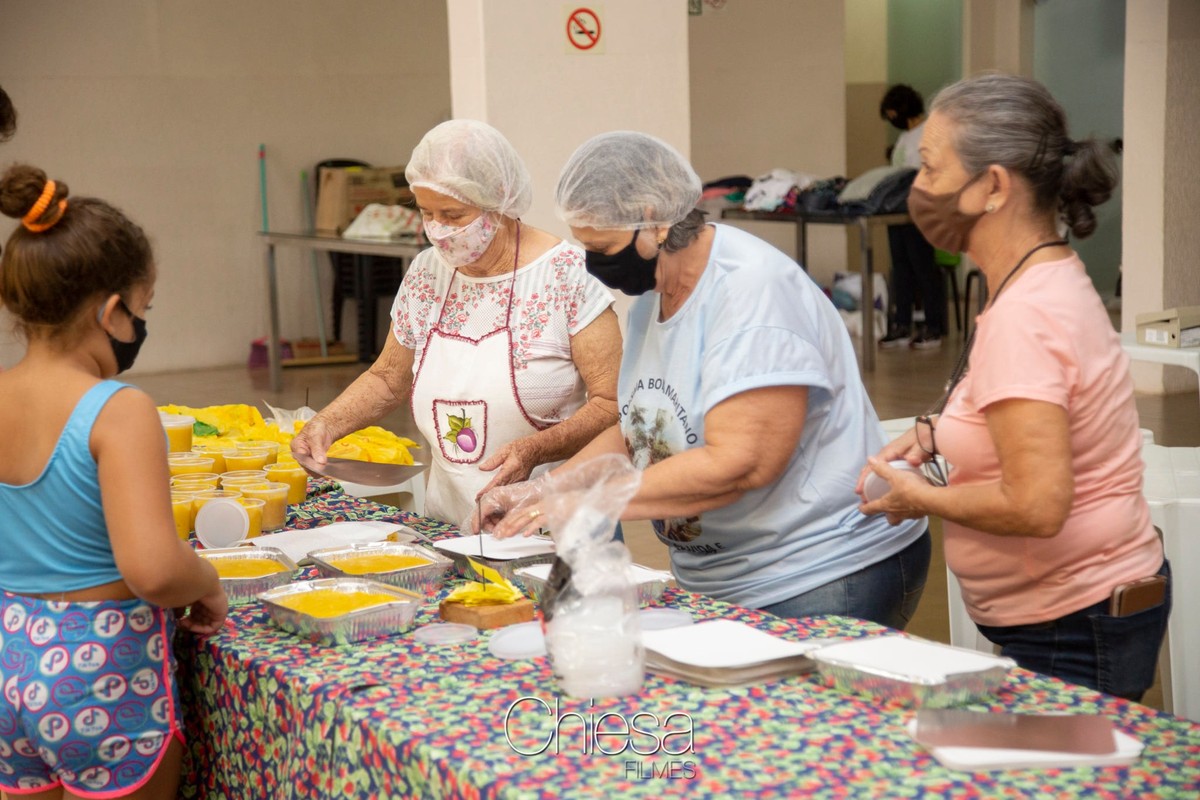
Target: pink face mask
x,y
464,245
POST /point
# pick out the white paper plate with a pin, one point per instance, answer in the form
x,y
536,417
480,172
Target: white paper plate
x,y
487,546
297,544
637,572
722,643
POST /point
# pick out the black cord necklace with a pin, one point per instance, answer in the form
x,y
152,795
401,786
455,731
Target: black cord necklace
x,y
960,366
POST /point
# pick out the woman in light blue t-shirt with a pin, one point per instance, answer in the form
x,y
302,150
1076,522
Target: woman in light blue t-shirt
x,y
739,397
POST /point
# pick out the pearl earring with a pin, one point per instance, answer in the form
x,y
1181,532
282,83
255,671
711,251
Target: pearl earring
x,y
989,208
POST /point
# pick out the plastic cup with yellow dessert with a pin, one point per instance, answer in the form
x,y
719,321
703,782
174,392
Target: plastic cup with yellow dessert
x,y
214,451
275,495
199,481
272,448
294,476
181,510
254,510
179,432
230,479
200,498
184,463
248,458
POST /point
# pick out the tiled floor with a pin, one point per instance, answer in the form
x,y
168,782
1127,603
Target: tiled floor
x,y
904,384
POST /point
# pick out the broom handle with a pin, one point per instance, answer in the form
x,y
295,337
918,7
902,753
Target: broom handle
x,y
316,272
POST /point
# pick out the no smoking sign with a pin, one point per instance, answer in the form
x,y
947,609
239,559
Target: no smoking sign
x,y
583,29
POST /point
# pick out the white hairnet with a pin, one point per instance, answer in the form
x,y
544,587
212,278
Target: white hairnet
x,y
472,162
628,180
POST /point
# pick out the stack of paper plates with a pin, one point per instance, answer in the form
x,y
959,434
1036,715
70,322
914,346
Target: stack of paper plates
x,y
721,653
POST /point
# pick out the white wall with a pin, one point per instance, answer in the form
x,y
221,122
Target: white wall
x,y
159,107
866,51
998,34
1160,241
511,66
768,89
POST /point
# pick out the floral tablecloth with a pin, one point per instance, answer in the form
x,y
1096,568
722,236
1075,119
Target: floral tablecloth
x,y
270,716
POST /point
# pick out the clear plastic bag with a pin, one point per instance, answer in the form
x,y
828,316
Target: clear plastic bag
x,y
590,605
286,419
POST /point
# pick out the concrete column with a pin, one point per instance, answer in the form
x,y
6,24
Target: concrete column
x,y
1161,249
512,66
998,35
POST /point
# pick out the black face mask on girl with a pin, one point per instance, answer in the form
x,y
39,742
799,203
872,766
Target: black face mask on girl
x,y
126,352
626,271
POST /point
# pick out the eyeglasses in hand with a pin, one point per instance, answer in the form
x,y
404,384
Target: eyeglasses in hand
x,y
928,444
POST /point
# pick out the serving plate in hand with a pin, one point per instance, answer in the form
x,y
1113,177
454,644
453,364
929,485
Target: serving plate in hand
x,y
368,473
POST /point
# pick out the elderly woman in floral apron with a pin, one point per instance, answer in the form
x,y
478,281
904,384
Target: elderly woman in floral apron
x,y
506,348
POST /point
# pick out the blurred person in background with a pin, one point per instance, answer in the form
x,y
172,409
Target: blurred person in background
x,y
915,273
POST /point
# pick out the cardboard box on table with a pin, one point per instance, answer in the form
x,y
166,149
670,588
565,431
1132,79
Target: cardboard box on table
x,y
1172,327
343,192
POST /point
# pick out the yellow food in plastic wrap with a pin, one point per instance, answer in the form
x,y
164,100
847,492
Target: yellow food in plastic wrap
x,y
368,564
241,423
325,603
247,567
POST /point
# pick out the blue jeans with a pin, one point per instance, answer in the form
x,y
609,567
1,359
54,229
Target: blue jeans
x,y
886,592
1114,655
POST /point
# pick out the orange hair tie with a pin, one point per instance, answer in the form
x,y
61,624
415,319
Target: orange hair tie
x,y
39,208
45,226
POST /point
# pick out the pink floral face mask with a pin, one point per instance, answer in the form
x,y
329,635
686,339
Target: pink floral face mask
x,y
464,245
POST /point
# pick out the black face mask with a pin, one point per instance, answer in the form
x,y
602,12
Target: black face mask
x,y
126,352
625,271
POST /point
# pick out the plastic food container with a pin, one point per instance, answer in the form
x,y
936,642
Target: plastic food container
x,y
651,583
424,579
244,590
372,622
914,672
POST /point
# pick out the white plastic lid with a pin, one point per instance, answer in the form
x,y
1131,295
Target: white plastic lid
x,y
222,523
175,420
515,642
657,619
445,633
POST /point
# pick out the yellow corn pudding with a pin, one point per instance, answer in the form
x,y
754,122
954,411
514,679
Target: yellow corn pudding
x,y
328,603
246,567
370,563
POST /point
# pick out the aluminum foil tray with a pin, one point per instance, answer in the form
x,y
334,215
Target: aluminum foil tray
x,y
649,592
245,590
425,580
367,623
883,675
506,567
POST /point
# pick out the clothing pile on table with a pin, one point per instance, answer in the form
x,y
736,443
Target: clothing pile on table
x,y
882,190
878,191
728,192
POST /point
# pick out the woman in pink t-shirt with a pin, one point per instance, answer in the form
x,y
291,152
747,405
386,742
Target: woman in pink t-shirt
x,y
1044,511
